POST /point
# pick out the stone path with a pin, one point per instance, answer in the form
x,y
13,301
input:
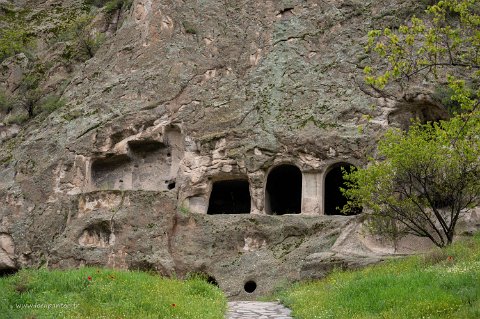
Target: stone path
x,y
257,310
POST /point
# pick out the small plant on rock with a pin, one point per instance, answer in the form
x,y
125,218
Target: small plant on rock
x,y
82,42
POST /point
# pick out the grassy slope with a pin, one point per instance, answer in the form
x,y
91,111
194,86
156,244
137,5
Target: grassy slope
x,y
108,294
442,284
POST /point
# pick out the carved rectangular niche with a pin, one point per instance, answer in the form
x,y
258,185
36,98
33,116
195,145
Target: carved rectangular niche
x,y
147,165
230,197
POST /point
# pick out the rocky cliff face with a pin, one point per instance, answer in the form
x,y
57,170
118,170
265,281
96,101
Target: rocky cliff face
x,y
190,99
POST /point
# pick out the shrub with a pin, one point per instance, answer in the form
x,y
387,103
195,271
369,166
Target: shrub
x,y
50,104
17,118
96,3
13,40
5,103
110,5
114,5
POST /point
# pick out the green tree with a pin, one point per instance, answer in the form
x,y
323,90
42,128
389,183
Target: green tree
x,y
28,93
442,48
427,178
424,179
82,41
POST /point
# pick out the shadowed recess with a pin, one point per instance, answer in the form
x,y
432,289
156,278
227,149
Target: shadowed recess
x,y
229,197
334,199
8,272
98,234
145,146
212,281
107,171
284,190
250,286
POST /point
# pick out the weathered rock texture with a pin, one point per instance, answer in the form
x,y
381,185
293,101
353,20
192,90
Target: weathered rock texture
x,y
187,93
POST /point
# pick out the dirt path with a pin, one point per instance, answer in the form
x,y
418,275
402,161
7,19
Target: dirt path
x,y
257,310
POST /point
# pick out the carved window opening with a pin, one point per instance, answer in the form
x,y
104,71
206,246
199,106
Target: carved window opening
x,y
334,199
230,197
147,166
110,172
283,193
144,163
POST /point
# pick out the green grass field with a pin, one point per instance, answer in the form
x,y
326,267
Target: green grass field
x,y
441,284
103,293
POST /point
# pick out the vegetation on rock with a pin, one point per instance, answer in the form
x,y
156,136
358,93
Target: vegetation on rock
x,y
81,41
13,40
72,37
110,5
28,100
424,179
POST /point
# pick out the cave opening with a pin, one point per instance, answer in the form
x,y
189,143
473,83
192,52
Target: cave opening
x,y
334,199
8,272
283,193
250,286
229,197
212,281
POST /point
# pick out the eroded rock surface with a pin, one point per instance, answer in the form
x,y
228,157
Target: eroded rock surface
x,y
186,94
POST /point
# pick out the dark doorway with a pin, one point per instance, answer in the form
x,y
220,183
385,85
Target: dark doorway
x,y
334,199
229,197
284,190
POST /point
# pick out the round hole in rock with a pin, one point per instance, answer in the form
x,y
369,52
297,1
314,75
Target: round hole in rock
x,y
250,286
171,186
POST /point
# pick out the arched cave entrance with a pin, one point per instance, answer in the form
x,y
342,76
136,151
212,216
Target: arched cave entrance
x,y
334,199
229,197
283,194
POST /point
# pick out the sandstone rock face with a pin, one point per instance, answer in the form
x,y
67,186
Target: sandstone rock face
x,y
187,94
7,253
